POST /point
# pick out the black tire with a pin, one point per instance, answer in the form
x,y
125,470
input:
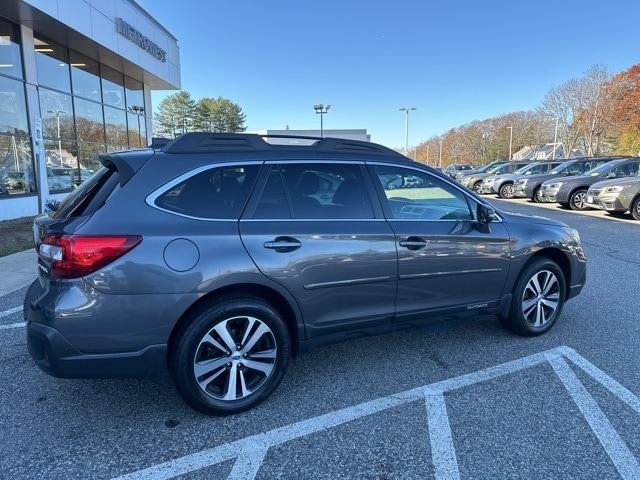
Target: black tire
x,y
476,187
577,200
516,321
536,195
564,205
506,190
635,208
187,340
32,292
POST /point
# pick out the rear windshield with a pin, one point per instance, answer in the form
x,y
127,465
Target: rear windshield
x,y
89,196
217,193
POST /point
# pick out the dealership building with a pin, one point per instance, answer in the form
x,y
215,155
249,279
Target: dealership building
x,y
75,81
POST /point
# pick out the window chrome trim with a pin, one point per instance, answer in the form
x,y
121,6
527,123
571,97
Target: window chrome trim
x,y
445,180
153,196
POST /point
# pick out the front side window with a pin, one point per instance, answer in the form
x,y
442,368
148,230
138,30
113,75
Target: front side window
x,y
217,193
625,170
327,191
416,195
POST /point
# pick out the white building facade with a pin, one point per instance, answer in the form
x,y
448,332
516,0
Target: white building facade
x,y
75,81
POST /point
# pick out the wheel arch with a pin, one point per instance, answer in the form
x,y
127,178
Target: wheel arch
x,y
287,308
557,256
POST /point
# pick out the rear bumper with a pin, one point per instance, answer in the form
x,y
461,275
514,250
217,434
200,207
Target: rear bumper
x,y
54,355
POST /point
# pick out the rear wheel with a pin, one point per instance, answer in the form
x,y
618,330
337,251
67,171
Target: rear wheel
x,y
635,208
578,200
230,356
506,190
538,298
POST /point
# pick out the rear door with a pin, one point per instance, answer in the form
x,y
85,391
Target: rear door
x,y
318,230
447,261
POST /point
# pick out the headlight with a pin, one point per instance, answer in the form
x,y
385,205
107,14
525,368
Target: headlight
x,y
617,189
522,181
554,185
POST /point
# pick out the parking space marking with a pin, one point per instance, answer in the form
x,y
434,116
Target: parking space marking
x,y
248,461
624,461
443,453
11,326
11,311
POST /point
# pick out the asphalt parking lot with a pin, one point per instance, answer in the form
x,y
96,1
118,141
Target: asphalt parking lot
x,y
461,400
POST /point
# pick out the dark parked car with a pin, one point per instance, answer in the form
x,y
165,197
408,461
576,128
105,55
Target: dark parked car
x,y
531,187
235,254
503,184
454,168
616,196
571,192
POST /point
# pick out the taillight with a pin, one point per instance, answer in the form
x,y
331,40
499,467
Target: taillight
x,y
75,256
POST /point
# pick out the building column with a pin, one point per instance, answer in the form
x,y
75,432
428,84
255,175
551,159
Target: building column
x,y
33,111
148,113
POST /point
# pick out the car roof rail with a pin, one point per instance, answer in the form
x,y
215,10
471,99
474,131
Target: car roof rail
x,y
207,142
158,143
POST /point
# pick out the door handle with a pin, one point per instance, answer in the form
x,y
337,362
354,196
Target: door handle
x,y
283,244
413,243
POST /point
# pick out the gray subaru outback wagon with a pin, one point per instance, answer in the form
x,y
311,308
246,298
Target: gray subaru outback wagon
x,y
217,257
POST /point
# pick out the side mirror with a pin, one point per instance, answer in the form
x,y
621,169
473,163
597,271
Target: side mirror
x,y
486,214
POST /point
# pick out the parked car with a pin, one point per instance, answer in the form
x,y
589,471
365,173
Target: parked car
x,y
454,168
474,180
531,187
228,261
505,169
571,192
481,169
616,196
503,184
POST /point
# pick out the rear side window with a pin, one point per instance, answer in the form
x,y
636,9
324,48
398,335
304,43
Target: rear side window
x,y
315,191
217,193
90,195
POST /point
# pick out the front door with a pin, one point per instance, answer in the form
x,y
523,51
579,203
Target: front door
x,y
447,261
318,230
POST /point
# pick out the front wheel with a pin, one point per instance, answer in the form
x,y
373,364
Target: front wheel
x,y
538,298
506,191
476,187
537,196
578,200
635,209
231,355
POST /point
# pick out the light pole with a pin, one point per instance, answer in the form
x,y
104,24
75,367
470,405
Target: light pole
x,y
555,139
440,156
510,141
406,111
321,110
57,114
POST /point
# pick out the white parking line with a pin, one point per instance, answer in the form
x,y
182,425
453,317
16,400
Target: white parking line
x,y
249,452
11,311
443,454
618,452
10,326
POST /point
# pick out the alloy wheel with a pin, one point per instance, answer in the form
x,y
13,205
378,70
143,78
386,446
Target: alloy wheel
x,y
541,298
579,200
477,186
235,358
507,191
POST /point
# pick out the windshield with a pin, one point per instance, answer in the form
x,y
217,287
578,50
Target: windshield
x,y
605,167
498,169
526,168
562,167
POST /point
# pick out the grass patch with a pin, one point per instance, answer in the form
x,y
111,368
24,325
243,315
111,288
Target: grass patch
x,y
15,235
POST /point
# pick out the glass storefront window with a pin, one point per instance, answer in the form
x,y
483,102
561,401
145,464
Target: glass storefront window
x,y
13,109
112,87
89,121
115,121
136,123
88,157
16,166
85,77
10,58
52,65
56,111
62,165
135,95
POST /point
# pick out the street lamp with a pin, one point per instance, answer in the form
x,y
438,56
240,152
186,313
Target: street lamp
x,y
406,111
555,139
138,111
440,158
57,114
510,142
321,110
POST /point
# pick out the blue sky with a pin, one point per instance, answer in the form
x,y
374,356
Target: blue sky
x,y
455,61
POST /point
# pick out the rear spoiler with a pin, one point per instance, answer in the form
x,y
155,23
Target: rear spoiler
x,y
127,164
